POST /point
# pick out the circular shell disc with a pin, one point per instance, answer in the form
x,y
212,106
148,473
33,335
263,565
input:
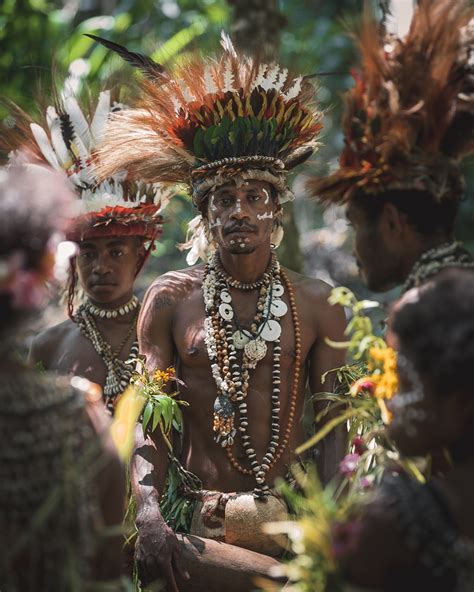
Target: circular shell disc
x,y
271,331
225,296
278,308
240,340
278,290
226,312
256,350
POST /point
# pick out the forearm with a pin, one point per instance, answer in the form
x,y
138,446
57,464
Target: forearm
x,y
148,475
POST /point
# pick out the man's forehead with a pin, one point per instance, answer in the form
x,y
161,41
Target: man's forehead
x,y
96,243
232,188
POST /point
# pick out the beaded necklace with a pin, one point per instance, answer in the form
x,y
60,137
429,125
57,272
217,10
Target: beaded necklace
x,y
119,372
435,260
112,313
232,379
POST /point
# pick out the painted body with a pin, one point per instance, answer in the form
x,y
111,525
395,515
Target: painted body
x,y
171,331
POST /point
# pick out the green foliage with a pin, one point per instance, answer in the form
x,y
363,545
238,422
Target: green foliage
x,y
160,408
313,567
177,508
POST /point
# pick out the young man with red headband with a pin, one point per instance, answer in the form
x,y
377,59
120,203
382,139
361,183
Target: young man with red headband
x,y
115,232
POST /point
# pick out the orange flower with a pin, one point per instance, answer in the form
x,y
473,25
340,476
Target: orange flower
x,y
164,375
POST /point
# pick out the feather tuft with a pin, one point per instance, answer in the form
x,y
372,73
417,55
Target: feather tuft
x,y
227,45
145,64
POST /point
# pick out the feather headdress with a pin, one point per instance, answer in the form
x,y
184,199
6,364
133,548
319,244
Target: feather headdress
x,y
204,121
67,142
409,119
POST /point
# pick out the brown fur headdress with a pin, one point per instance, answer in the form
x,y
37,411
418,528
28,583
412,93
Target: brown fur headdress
x,y
409,119
203,121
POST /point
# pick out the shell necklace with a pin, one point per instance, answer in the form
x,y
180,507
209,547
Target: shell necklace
x,y
223,341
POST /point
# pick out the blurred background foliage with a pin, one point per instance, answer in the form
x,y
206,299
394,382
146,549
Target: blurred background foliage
x,y
309,36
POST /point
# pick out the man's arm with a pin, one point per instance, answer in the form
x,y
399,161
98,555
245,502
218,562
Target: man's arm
x,y
331,323
41,349
157,548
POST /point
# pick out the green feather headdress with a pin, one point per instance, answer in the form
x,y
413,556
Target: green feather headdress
x,y
204,121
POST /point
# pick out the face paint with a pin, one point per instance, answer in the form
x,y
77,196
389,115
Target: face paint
x,y
267,196
238,206
211,203
215,224
265,215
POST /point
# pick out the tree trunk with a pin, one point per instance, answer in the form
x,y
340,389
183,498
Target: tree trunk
x,y
256,29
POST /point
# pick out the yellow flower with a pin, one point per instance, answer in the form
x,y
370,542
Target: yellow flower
x,y
385,377
164,375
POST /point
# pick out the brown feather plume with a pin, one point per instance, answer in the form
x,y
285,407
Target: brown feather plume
x,y
211,109
410,113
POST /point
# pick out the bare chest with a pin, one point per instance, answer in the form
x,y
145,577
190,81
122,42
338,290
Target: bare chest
x,y
75,354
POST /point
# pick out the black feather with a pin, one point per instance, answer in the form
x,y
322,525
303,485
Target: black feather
x,y
145,64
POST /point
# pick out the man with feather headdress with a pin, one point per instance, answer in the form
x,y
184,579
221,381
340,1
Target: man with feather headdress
x,y
408,123
245,335
116,221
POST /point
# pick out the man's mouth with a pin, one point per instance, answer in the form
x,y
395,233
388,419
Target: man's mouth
x,y
240,230
101,284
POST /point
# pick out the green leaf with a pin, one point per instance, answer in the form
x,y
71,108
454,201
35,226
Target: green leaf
x,y
323,432
147,415
156,417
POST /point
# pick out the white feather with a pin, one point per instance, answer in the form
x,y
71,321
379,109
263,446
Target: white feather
x,y
260,76
188,97
45,145
295,90
209,83
79,122
85,174
101,115
227,45
269,81
62,153
281,79
228,77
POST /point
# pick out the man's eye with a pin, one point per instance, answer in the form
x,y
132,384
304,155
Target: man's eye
x,y
86,255
116,253
224,202
254,197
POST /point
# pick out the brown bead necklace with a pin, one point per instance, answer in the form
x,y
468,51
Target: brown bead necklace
x,y
232,378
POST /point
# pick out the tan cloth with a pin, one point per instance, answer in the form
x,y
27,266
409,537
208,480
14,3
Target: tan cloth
x,y
237,519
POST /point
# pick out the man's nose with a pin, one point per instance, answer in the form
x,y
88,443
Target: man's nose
x,y
101,264
240,211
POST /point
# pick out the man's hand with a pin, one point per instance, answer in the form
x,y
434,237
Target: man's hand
x,y
157,551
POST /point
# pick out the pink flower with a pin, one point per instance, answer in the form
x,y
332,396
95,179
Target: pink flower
x,y
348,465
366,483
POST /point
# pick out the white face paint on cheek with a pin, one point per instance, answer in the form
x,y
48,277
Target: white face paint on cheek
x,y
265,216
215,224
267,196
212,205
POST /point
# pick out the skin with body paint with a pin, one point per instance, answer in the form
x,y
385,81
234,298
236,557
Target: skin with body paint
x,y
171,332
242,218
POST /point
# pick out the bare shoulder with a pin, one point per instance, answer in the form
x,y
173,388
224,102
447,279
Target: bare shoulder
x,y
173,287
311,291
50,340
